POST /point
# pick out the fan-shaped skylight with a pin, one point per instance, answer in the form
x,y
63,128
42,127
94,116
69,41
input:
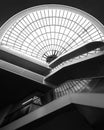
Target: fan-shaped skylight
x,y
50,32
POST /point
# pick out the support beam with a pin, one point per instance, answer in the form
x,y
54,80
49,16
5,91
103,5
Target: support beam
x,y
21,71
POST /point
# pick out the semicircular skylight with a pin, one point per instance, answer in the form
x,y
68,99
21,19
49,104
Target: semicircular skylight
x,y
50,32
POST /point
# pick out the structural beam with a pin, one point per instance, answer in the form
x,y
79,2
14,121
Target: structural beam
x,y
21,71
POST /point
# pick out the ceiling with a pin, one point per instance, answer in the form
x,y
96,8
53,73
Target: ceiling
x,y
14,87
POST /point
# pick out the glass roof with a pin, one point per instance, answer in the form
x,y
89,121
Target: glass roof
x,y
48,33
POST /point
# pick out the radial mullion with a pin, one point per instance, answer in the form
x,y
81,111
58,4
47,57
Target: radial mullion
x,y
80,85
48,27
78,23
68,84
64,90
75,23
85,31
71,21
73,34
30,28
44,15
75,83
30,23
42,49
59,23
94,33
12,29
37,21
64,24
52,29
10,39
67,88
48,39
59,91
23,30
58,94
39,17
99,32
50,24
26,33
78,35
46,48
18,32
13,42
72,86
54,23
67,25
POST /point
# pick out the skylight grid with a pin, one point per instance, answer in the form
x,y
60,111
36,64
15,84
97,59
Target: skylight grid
x,y
42,33
72,86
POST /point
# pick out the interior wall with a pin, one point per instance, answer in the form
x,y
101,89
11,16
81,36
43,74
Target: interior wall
x,y
67,118
3,113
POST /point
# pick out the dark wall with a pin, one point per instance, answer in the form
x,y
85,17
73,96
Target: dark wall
x,y
67,118
94,115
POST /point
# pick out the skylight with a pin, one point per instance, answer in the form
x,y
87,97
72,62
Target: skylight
x,y
47,33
